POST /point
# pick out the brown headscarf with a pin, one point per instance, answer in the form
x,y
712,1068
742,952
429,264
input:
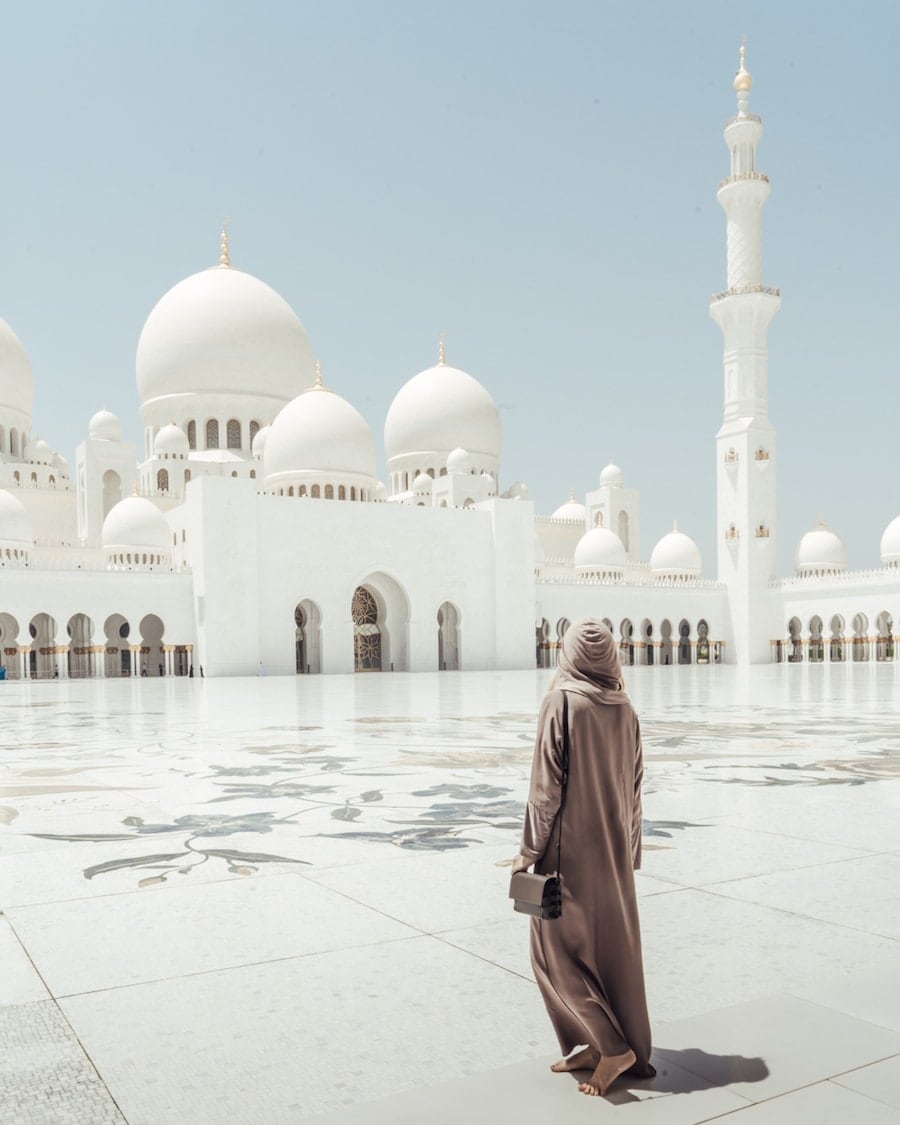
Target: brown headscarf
x,y
589,663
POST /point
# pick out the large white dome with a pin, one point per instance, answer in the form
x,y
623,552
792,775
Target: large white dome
x,y
223,332
890,543
821,551
439,410
571,510
15,522
599,549
135,522
320,433
676,555
16,380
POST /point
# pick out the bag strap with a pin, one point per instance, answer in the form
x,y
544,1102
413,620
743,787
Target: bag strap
x,y
565,777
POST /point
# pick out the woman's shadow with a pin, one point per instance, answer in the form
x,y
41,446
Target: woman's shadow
x,y
685,1072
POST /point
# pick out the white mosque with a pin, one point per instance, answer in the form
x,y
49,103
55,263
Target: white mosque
x,y
251,532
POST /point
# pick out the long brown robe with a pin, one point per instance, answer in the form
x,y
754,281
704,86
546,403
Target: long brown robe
x,y
588,962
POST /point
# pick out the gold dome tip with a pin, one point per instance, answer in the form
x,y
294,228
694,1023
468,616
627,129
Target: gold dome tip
x,y
743,79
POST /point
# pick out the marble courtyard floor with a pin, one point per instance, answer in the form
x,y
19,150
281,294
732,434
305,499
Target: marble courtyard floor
x,y
280,900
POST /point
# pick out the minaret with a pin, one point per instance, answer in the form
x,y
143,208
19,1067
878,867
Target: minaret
x,y
745,444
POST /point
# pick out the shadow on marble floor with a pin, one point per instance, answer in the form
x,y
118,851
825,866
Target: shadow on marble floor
x,y
686,1071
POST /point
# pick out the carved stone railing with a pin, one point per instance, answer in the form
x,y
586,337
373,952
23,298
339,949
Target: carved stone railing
x,y
739,290
738,176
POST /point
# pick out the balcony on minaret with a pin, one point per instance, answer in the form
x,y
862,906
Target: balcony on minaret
x,y
762,532
732,457
731,532
740,177
739,290
761,455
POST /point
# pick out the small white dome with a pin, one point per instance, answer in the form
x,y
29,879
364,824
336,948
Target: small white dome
x,y
489,484
105,426
676,555
319,432
15,522
890,543
517,491
381,492
260,438
459,461
423,483
821,551
16,380
571,510
135,522
600,549
439,409
171,441
60,464
38,452
611,477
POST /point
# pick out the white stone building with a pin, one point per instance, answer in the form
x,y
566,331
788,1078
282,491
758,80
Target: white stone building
x,y
252,534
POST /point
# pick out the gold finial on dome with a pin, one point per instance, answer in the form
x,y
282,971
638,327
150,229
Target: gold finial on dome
x,y
674,525
442,351
743,80
224,256
319,384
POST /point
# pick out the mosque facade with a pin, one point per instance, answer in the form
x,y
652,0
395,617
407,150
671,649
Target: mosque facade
x,y
250,533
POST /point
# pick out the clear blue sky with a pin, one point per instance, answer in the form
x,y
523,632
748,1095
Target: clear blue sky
x,y
536,180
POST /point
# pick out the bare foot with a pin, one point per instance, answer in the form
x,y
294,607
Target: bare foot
x,y
585,1059
608,1070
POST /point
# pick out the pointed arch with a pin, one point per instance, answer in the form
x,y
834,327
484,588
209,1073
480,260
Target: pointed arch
x,y
448,638
307,637
380,606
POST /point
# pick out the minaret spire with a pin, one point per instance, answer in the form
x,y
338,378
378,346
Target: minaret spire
x,y
224,256
746,441
442,351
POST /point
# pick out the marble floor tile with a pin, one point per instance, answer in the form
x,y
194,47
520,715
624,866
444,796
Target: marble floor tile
x,y
825,1103
20,982
704,951
282,1041
430,893
799,1044
711,854
45,1076
880,1081
160,934
869,993
504,943
529,1094
863,894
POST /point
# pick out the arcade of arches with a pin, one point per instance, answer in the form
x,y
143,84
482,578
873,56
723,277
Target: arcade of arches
x,y
642,644
88,651
836,642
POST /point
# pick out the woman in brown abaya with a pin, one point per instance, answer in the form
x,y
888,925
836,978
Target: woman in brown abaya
x,y
588,962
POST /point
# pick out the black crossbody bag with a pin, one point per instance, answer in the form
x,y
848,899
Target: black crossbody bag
x,y
541,895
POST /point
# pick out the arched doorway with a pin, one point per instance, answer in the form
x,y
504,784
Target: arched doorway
x,y
816,651
448,638
307,637
9,646
80,657
647,647
626,643
112,490
795,641
117,656
391,619
702,642
860,637
153,657
836,645
561,626
684,642
665,642
542,645
367,655
42,660
884,644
